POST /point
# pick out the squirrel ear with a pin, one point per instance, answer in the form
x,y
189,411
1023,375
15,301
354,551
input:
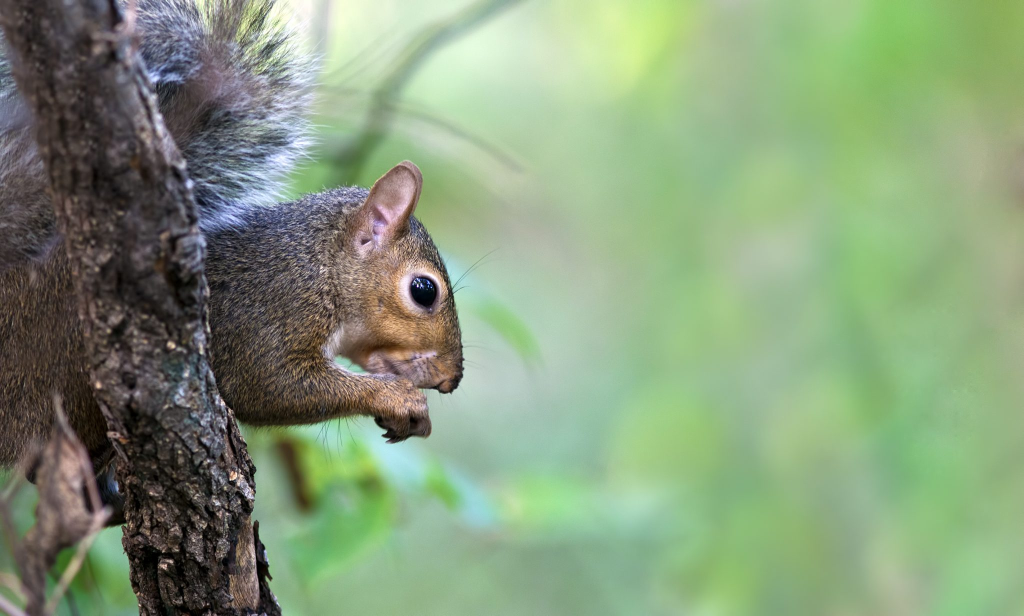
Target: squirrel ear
x,y
386,211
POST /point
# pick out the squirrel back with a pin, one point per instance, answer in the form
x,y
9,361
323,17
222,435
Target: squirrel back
x,y
234,92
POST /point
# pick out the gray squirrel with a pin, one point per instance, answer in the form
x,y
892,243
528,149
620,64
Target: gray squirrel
x,y
344,272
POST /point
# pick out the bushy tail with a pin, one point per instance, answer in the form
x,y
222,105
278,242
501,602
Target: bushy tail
x,y
234,92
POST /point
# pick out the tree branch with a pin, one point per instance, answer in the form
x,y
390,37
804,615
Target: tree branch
x,y
353,153
124,206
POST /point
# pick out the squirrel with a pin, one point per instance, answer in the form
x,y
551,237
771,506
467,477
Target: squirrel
x,y
347,271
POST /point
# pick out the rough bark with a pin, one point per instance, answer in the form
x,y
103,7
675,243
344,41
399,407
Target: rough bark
x,y
124,206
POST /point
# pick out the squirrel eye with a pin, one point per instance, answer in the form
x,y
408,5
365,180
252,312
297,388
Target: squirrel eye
x,y
423,291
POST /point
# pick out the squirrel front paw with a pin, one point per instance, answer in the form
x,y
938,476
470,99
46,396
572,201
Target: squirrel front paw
x,y
404,412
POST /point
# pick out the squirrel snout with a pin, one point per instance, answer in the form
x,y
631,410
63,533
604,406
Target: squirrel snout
x,y
448,386
422,368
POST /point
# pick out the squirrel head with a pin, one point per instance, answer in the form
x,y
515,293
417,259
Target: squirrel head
x,y
403,321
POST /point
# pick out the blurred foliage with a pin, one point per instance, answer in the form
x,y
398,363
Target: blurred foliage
x,y
750,339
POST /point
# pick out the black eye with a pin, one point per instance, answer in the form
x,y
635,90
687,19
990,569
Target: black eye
x,y
423,291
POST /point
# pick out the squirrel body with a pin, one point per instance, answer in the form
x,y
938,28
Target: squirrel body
x,y
346,272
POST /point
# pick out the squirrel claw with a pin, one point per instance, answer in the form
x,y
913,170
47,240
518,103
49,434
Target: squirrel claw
x,y
399,429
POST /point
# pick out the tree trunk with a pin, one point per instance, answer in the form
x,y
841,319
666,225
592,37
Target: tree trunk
x,y
125,209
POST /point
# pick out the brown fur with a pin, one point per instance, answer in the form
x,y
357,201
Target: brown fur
x,y
290,287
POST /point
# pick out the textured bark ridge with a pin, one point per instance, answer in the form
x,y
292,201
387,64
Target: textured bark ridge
x,y
125,209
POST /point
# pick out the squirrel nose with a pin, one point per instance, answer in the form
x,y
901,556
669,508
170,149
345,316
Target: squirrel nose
x,y
448,386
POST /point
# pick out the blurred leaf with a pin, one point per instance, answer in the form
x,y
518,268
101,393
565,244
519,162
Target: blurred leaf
x,y
510,327
437,483
353,520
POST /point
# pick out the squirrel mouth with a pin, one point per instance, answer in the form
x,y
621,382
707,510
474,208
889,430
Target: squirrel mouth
x,y
382,364
379,363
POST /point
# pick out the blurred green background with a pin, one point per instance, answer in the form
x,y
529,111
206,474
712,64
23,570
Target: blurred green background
x,y
745,333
